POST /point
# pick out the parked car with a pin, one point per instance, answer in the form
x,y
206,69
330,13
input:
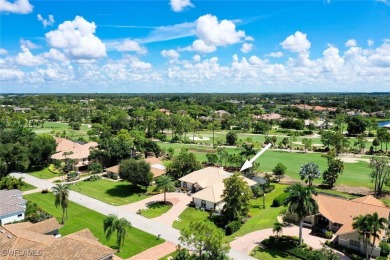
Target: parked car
x,y
319,231
72,176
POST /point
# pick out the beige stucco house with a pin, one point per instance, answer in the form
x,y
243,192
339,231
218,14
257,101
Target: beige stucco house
x,y
207,187
79,153
337,214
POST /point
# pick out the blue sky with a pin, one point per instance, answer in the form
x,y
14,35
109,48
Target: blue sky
x,y
194,46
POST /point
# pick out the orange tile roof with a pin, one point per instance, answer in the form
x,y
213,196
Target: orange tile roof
x,y
343,211
79,152
113,169
79,245
65,145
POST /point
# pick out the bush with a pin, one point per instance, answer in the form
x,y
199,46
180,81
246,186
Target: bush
x,y
308,132
94,177
257,191
44,191
162,137
232,227
279,200
269,188
328,234
385,248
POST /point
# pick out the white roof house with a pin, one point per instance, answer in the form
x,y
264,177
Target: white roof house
x,y
208,185
12,206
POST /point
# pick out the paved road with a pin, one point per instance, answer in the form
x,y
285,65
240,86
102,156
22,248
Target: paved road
x,y
148,225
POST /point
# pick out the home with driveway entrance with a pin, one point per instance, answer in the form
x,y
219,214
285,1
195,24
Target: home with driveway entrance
x,y
337,215
207,187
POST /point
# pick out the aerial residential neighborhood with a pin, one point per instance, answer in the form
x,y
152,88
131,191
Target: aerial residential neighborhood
x,y
194,130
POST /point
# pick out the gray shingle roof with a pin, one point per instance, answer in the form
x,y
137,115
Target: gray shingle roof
x,y
11,201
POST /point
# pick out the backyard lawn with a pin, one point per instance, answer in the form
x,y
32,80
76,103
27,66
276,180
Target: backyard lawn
x,y
156,209
43,174
80,217
114,193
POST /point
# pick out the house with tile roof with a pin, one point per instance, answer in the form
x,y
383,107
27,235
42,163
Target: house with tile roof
x,y
12,206
65,145
32,241
337,214
79,154
207,187
157,168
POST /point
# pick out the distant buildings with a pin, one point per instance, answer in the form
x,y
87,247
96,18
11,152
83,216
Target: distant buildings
x,y
22,109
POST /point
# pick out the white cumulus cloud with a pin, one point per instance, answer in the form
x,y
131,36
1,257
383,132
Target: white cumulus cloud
x,y
180,5
351,43
212,33
172,54
78,40
27,43
297,42
130,45
370,42
46,22
17,7
3,51
277,54
26,58
246,47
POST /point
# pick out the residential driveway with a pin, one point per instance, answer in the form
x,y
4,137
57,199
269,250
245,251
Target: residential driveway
x,y
248,242
178,200
148,225
156,252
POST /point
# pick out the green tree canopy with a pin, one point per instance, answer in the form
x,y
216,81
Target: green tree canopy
x,y
237,195
135,171
309,171
183,164
205,238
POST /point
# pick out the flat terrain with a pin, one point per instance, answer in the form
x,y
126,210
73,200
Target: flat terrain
x,y
43,174
80,217
111,192
155,210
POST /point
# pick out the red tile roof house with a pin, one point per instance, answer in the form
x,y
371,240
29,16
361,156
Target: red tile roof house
x,y
156,167
79,154
37,241
12,206
337,215
207,187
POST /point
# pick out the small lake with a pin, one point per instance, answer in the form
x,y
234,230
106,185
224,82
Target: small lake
x,y
383,123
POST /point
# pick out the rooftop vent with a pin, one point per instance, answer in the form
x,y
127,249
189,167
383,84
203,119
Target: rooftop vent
x,y
9,236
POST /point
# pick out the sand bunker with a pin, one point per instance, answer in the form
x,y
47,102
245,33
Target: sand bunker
x,y
353,159
197,138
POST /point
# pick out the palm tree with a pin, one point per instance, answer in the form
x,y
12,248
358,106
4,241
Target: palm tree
x,y
111,224
377,224
363,227
165,184
10,183
277,228
247,151
301,202
61,193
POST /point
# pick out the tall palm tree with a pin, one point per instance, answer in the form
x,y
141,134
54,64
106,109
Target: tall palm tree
x,y
301,202
247,151
61,193
363,227
111,224
377,224
165,184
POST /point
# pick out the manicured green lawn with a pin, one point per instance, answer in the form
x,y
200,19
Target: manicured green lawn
x,y
115,193
269,254
81,217
27,187
155,210
58,127
261,218
171,254
335,193
43,174
355,174
190,215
